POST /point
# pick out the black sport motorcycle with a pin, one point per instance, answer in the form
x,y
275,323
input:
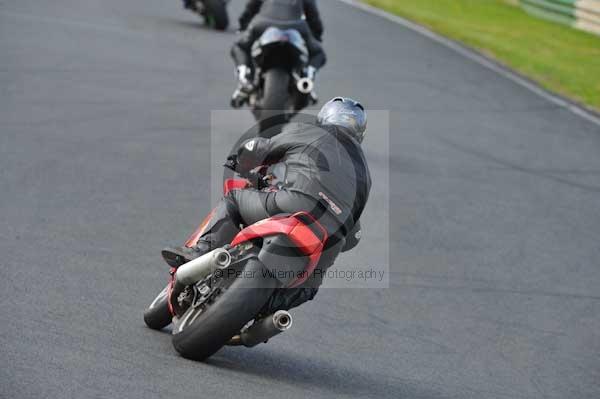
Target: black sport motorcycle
x,y
283,82
214,12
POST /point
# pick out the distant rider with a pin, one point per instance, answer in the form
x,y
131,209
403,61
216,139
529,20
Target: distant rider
x,y
311,13
283,14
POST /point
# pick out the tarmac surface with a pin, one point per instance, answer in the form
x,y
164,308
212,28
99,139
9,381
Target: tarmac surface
x,y
106,152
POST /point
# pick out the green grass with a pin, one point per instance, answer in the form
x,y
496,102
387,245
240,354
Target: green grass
x,y
560,58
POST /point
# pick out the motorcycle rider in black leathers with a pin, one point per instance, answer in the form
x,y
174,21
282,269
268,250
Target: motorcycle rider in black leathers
x,y
311,12
324,172
283,14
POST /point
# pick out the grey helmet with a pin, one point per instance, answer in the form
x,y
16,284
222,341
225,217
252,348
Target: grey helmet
x,y
346,113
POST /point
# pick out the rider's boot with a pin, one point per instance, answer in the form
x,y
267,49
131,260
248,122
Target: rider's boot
x,y
177,256
241,95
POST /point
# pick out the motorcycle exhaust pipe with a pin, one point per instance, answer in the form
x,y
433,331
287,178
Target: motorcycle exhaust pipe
x,y
305,85
264,329
201,267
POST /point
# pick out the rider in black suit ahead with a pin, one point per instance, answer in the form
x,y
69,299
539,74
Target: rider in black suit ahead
x,y
284,14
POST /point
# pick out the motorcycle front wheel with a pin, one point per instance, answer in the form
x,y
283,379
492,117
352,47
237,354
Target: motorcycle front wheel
x,y
157,315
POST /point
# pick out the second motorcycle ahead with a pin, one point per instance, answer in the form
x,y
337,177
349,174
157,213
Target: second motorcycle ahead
x,y
282,82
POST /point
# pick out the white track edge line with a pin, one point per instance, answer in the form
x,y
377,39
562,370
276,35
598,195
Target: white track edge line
x,y
480,59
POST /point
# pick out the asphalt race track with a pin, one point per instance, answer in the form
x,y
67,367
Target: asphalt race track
x,y
105,157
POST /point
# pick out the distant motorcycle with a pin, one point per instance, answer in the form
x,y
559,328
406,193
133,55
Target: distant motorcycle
x,y
211,306
283,82
214,12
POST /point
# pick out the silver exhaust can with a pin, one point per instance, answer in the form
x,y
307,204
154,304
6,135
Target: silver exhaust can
x,y
201,267
266,328
305,85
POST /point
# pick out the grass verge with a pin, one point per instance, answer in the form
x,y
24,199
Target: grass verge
x,y
559,58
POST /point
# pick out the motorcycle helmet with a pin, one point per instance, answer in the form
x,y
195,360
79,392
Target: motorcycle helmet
x,y
346,113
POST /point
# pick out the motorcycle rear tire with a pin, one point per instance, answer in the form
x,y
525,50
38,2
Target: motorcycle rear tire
x,y
209,329
274,100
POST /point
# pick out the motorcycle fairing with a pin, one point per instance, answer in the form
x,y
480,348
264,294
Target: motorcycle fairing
x,y
195,236
308,240
234,184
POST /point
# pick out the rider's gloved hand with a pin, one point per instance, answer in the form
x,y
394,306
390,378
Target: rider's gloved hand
x,y
254,177
245,87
